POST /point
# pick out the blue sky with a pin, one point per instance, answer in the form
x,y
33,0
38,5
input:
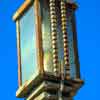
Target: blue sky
x,y
88,29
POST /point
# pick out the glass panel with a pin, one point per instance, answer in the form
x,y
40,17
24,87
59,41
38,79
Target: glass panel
x,y
28,45
71,48
46,36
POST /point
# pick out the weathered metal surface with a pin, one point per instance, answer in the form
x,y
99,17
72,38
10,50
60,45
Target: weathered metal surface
x,y
48,86
56,51
47,82
75,45
44,40
47,96
70,43
19,54
65,38
22,9
27,86
53,19
46,37
39,44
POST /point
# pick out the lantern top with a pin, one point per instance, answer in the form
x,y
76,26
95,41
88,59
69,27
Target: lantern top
x,y
28,3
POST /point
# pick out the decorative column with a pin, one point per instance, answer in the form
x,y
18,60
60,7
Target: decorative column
x,y
54,35
65,38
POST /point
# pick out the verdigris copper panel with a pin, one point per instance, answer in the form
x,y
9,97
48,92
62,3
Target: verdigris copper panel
x,y
28,45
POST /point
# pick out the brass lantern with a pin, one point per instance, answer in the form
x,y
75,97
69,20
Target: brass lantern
x,y
48,64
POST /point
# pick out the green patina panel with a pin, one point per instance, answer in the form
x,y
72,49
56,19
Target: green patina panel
x,y
28,45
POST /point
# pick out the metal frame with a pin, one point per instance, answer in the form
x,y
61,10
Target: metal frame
x,y
74,6
75,47
39,36
22,9
19,54
19,13
41,76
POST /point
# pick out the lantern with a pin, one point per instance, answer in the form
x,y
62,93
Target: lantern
x,y
48,64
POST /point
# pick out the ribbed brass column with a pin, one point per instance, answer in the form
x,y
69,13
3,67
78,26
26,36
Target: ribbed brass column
x,y
65,38
54,34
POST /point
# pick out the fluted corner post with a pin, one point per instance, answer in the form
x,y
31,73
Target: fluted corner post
x,y
65,38
53,19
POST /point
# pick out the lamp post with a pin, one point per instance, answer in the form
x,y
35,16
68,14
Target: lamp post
x,y
48,64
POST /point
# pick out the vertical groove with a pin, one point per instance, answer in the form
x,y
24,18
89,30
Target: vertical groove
x,y
65,38
54,34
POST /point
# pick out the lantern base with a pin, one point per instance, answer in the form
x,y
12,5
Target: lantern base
x,y
48,90
47,87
